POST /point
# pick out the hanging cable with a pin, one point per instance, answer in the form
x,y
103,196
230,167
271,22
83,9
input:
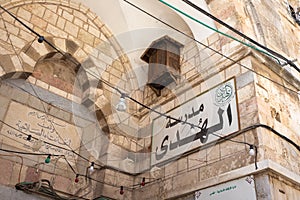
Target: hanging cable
x,y
208,47
162,114
40,37
238,32
218,31
40,40
124,95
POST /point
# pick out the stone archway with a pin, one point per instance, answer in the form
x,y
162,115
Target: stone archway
x,y
77,32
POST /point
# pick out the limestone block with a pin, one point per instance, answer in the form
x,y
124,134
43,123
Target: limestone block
x,y
39,49
148,141
53,30
106,31
133,146
248,65
57,91
250,137
60,114
94,31
262,187
244,79
182,164
12,29
248,106
213,153
20,96
24,14
71,29
62,183
213,81
61,23
78,22
40,22
31,175
185,181
246,93
208,171
232,71
168,185
106,59
7,167
5,48
126,143
17,42
4,101
151,191
229,148
110,178
197,159
68,16
50,17
80,15
27,59
213,38
6,90
86,37
187,66
39,83
191,53
170,169
248,120
36,9
17,63
36,103
18,172
140,145
7,17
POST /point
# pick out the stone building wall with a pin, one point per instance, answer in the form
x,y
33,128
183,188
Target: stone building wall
x,y
88,104
76,31
259,100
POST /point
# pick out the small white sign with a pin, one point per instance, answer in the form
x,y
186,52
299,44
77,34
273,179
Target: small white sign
x,y
240,189
214,114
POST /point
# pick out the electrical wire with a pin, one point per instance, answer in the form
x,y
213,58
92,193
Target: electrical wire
x,y
218,31
9,39
162,114
58,50
208,47
62,53
239,33
50,144
28,28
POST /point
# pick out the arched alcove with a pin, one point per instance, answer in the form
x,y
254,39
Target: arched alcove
x,y
59,71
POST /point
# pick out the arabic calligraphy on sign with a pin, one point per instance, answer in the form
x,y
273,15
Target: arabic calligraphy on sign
x,y
224,94
172,137
233,190
39,125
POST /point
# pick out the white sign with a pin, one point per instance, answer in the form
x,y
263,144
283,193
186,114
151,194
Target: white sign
x,y
240,189
214,114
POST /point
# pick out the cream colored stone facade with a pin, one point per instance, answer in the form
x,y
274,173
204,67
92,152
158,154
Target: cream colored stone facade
x,y
76,91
